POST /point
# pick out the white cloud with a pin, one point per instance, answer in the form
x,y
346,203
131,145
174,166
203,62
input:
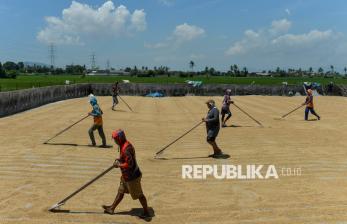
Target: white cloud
x,y
80,20
138,19
280,26
273,39
167,2
186,32
156,45
183,33
287,11
311,37
250,41
265,48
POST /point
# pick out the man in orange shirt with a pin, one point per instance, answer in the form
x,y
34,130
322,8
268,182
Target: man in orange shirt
x,y
97,114
130,181
309,105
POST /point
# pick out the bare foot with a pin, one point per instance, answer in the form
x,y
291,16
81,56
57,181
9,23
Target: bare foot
x,y
106,206
108,209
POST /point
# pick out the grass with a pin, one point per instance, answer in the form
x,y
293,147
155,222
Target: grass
x,y
30,81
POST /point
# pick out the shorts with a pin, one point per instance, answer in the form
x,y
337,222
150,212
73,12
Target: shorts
x,y
132,187
115,100
212,134
225,110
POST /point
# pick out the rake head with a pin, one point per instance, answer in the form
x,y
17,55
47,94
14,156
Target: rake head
x,y
56,208
159,158
158,154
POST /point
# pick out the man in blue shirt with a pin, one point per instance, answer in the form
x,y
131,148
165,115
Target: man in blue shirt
x,y
98,123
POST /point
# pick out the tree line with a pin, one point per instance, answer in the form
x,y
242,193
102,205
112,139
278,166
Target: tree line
x,y
235,71
11,69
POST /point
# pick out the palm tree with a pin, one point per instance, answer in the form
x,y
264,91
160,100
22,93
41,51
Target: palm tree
x,y
231,70
278,70
310,70
332,70
191,65
236,69
245,71
211,71
320,70
345,69
1,70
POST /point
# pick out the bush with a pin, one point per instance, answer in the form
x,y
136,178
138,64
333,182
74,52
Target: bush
x,y
12,74
143,75
183,75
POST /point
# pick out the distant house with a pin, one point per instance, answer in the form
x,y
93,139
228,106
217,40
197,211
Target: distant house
x,y
108,72
118,72
262,74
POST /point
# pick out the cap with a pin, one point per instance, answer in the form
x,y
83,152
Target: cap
x,y
211,102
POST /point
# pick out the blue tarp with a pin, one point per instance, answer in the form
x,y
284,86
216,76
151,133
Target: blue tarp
x,y
155,94
313,85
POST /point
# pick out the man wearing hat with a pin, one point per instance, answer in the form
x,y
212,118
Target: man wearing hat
x,y
309,105
98,123
115,92
212,128
226,107
130,181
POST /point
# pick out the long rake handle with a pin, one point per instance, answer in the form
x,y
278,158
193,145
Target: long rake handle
x,y
292,111
248,115
167,146
67,128
125,103
85,185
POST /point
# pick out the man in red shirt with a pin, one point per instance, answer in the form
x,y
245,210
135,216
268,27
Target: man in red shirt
x,y
130,182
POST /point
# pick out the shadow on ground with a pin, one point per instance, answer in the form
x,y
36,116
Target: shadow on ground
x,y
73,144
137,212
224,156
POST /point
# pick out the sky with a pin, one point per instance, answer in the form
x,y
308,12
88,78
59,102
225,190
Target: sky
x,y
259,35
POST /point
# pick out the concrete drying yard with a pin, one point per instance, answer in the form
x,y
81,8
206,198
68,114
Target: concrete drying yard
x,y
34,176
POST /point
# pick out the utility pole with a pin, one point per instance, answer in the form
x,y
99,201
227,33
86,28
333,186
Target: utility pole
x,y
93,61
52,55
108,65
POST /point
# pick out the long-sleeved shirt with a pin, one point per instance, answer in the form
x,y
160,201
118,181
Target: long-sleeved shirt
x,y
128,163
212,118
309,101
97,114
